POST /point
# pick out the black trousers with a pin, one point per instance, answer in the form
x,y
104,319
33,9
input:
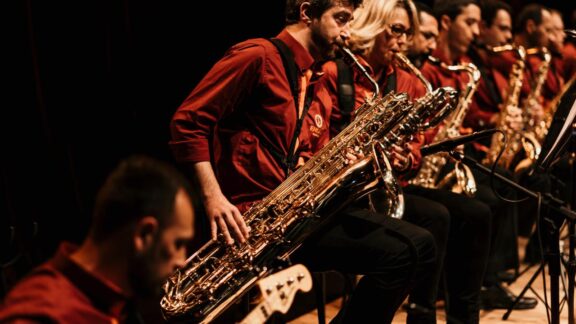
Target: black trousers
x,y
391,254
461,227
504,236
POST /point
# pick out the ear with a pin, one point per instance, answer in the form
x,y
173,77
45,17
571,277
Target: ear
x,y
530,26
304,13
145,233
445,22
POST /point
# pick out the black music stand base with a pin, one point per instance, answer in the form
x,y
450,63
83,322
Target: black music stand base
x,y
553,258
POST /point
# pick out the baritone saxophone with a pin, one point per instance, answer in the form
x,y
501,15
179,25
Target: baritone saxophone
x,y
218,274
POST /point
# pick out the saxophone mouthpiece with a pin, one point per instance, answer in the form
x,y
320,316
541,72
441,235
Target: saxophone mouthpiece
x,y
342,41
433,59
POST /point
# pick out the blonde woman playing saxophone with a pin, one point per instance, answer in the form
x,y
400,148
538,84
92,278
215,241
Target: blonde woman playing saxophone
x,y
380,31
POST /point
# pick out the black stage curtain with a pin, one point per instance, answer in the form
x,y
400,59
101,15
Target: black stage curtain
x,y
92,82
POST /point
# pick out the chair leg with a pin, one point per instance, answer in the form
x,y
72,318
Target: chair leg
x,y
320,290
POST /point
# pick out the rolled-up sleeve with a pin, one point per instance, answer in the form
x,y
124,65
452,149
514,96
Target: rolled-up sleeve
x,y
215,97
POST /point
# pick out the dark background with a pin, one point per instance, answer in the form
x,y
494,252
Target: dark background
x,y
90,82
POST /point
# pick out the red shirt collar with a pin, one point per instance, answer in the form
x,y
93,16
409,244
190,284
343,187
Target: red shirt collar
x,y
302,57
103,293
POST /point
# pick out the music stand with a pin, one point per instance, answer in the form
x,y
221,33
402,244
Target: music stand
x,y
556,142
560,131
561,138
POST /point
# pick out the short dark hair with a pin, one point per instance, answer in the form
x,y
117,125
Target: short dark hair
x,y
422,7
490,8
530,12
451,8
317,8
139,186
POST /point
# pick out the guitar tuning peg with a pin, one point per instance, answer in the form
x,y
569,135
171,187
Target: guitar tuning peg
x,y
268,290
279,285
300,276
290,281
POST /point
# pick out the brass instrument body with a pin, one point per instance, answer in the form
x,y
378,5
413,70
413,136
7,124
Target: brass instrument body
x,y
218,274
513,138
529,140
461,179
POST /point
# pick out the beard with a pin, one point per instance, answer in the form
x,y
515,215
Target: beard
x,y
326,48
143,276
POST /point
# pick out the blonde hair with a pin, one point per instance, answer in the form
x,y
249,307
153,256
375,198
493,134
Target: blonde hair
x,y
371,19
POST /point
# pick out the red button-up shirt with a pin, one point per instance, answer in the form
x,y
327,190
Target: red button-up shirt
x,y
240,111
492,89
60,291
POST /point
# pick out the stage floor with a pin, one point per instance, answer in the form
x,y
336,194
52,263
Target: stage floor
x,y
536,315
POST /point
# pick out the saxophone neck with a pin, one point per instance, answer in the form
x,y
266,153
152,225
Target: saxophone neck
x,y
515,84
474,76
542,72
468,68
405,62
351,59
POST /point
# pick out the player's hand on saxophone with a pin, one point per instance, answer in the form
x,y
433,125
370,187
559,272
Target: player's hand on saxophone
x,y
225,218
401,157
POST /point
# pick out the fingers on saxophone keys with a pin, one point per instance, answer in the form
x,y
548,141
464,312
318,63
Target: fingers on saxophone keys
x,y
353,154
234,227
244,229
224,229
213,229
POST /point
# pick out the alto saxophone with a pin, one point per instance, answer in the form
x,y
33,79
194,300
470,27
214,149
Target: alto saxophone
x,y
218,274
432,165
498,144
529,139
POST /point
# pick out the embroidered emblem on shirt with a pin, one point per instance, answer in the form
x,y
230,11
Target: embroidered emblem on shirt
x,y
318,120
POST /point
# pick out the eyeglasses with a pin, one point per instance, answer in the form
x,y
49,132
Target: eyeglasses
x,y
398,30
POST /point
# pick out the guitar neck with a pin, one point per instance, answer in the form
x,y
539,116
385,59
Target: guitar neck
x,y
259,314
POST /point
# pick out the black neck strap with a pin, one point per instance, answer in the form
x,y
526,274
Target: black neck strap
x,y
289,162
